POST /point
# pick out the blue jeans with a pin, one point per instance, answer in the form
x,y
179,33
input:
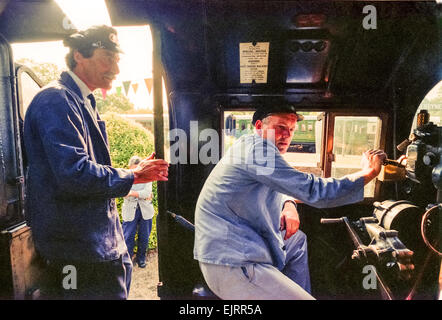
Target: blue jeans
x,y
144,229
255,281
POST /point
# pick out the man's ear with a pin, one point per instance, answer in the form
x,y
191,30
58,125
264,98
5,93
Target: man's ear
x,y
78,57
258,124
258,127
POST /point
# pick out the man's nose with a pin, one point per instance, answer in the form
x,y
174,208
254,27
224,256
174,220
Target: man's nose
x,y
115,69
286,133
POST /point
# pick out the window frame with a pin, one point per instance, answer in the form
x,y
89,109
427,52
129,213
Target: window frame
x,y
328,156
19,70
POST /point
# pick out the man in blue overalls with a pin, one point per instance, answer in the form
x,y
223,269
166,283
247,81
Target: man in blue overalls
x,y
71,184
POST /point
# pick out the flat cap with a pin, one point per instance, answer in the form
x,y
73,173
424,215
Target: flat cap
x,y
263,111
103,36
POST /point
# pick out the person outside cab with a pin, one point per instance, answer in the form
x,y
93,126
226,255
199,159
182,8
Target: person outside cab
x,y
137,213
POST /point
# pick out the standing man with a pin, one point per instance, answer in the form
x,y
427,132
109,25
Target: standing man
x,y
71,184
246,225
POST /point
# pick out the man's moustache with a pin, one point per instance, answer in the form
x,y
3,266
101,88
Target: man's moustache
x,y
112,76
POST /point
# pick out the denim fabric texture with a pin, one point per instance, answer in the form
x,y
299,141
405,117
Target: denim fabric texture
x,y
130,230
256,281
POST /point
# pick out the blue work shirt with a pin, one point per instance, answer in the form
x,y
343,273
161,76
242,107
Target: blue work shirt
x,y
237,216
70,181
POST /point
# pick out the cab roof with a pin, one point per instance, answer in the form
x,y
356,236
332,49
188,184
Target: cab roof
x,y
334,63
200,44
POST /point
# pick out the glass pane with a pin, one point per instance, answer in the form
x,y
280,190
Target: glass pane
x,y
433,104
236,124
352,137
29,89
304,152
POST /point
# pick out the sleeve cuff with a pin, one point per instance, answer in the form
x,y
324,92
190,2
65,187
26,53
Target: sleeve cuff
x,y
286,198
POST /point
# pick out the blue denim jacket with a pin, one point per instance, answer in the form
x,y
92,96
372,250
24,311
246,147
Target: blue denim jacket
x,y
237,216
70,181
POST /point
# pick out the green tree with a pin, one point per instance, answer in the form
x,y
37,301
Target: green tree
x,y
113,103
127,138
45,71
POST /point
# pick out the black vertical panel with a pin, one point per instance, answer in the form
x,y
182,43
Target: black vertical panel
x,y
10,170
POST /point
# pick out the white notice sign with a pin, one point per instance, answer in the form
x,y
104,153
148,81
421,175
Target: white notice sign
x,y
253,61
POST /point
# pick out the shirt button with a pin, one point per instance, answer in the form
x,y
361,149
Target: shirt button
x,y
283,248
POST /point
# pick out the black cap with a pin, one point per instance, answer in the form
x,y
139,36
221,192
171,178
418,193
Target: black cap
x,y
266,110
103,36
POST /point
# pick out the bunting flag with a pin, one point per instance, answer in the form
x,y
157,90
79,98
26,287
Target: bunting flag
x,y
103,92
135,87
148,82
118,90
126,85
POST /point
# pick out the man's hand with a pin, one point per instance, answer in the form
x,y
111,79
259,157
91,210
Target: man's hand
x,y
289,220
132,193
151,169
405,264
372,161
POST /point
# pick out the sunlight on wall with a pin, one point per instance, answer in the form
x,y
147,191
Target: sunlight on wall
x,y
136,42
85,13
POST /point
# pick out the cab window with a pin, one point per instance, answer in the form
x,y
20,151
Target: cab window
x,y
28,85
353,135
433,104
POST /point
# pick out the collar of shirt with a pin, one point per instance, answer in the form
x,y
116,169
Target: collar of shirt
x,y
85,91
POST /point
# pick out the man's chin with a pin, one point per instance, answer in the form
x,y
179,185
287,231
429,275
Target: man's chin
x,y
107,86
282,149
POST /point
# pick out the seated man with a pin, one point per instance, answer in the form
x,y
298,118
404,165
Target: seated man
x,y
246,227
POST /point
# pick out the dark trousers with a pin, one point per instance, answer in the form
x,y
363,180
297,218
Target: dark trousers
x,y
144,229
73,280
